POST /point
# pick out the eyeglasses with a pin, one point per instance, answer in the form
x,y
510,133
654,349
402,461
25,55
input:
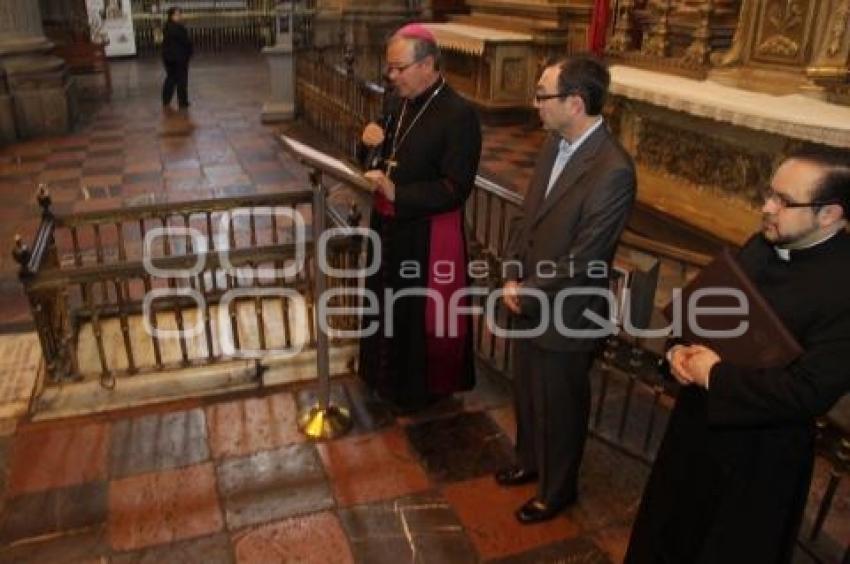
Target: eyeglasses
x,y
400,68
543,97
782,201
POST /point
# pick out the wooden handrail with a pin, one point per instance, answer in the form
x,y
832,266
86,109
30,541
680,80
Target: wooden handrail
x,y
672,252
155,211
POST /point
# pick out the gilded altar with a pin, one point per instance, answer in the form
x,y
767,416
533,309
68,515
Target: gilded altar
x,y
494,69
774,46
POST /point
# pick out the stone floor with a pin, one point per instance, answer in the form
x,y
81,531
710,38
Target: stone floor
x,y
230,478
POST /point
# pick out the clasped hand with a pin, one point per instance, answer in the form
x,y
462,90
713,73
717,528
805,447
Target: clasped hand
x,y
510,296
692,364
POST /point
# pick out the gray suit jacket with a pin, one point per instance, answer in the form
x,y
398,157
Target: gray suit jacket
x,y
567,239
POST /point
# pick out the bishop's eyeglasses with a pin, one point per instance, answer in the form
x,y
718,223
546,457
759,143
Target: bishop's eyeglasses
x,y
399,68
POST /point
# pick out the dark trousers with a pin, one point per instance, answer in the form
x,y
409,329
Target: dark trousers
x,y
552,402
176,75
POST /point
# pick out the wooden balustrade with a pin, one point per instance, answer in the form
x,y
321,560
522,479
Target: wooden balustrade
x,y
334,101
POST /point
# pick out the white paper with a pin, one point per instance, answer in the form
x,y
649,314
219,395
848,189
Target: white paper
x,y
319,156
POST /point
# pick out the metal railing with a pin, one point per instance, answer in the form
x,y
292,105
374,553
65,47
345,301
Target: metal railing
x,y
210,30
631,399
208,279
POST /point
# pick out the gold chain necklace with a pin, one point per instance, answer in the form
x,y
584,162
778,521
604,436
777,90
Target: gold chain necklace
x,y
391,162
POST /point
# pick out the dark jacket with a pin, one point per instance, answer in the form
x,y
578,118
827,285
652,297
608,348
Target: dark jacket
x,y
732,475
576,227
176,45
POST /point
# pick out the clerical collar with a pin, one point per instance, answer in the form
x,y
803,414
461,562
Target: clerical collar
x,y
573,147
786,254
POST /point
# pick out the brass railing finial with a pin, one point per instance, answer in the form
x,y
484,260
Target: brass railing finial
x,y
21,253
44,200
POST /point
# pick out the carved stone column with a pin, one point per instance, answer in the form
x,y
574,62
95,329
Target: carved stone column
x,y
36,95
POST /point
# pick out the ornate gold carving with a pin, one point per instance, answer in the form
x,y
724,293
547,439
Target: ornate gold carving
x,y
741,39
621,39
699,51
514,75
785,19
839,27
780,45
656,44
703,160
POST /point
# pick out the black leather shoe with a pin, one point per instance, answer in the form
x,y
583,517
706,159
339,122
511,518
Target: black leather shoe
x,y
535,511
514,476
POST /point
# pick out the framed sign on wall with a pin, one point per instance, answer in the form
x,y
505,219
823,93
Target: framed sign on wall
x,y
111,22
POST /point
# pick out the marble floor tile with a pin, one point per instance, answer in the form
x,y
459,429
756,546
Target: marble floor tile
x,y
460,447
372,467
487,513
312,539
420,528
163,507
85,546
57,456
578,550
610,487
52,511
247,426
158,441
214,549
273,484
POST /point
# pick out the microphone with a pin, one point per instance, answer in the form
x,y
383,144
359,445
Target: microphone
x,y
376,152
390,105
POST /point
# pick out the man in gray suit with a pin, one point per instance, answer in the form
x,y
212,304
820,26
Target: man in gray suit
x,y
576,206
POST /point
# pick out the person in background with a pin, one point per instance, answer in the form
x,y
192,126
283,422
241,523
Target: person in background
x,y
176,52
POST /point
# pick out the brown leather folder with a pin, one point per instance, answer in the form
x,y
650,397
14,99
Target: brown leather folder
x,y
766,343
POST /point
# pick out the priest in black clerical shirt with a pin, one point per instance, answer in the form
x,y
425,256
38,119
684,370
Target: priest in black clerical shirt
x,y
733,472
424,161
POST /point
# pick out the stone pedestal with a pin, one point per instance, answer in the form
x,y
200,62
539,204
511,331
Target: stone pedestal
x,y
42,95
36,94
281,106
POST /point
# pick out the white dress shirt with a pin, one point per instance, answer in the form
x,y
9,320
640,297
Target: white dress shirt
x,y
566,151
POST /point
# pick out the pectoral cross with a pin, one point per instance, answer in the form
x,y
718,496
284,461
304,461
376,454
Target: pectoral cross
x,y
391,164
